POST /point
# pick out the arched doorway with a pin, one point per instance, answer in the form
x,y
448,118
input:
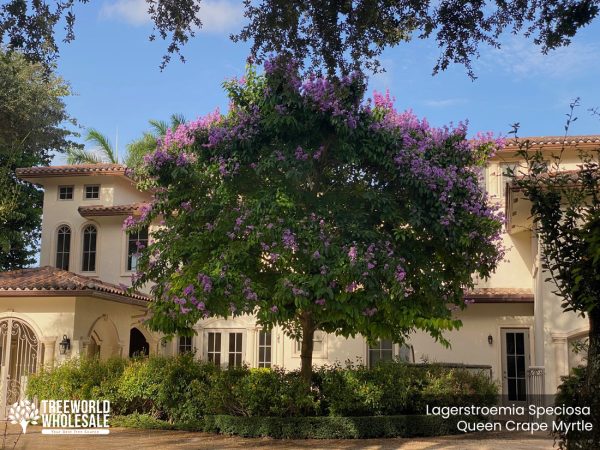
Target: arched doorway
x,y
103,339
19,357
138,345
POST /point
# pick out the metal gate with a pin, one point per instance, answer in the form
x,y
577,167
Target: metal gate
x,y
19,357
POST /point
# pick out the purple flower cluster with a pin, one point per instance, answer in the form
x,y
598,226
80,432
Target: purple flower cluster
x,y
206,282
289,240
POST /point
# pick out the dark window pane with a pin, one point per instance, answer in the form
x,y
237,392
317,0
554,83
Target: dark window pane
x,y
520,343
521,366
512,371
136,241
232,342
211,342
92,192
512,389
65,192
89,249
510,343
218,342
521,389
231,360
217,359
63,247
268,356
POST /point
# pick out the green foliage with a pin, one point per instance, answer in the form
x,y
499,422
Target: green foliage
x,y
85,378
333,36
32,127
182,390
306,427
316,210
398,388
572,392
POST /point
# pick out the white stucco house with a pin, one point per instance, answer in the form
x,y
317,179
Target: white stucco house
x,y
75,303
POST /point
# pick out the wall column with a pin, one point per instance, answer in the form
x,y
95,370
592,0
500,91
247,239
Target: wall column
x,y
49,349
561,355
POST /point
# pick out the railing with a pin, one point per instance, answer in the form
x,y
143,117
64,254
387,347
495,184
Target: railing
x,y
535,386
475,368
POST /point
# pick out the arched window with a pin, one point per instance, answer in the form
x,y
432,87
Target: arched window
x,y
63,247
90,235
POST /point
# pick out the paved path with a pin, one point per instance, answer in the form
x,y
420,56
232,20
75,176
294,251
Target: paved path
x,y
129,439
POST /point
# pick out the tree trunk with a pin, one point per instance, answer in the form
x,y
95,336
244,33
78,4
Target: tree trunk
x,y
593,375
308,333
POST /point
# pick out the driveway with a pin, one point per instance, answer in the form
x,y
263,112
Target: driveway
x,y
126,438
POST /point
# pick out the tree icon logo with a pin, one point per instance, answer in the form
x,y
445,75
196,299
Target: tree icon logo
x,y
23,413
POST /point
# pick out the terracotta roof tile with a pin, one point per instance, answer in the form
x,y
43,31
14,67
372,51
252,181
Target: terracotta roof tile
x,y
50,281
71,170
116,210
500,295
552,141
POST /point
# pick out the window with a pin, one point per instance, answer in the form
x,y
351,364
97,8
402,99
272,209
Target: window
x,y
136,240
91,191
503,176
264,349
65,192
319,345
235,349
90,235
383,350
185,344
214,348
63,247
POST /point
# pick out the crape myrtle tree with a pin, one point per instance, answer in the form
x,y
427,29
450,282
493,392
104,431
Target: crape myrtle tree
x,y
315,210
565,206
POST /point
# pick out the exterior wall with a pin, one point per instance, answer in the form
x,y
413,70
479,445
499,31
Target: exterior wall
x,y
112,240
109,323
49,317
469,344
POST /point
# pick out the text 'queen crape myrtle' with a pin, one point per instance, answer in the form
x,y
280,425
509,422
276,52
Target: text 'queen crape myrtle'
x,y
315,210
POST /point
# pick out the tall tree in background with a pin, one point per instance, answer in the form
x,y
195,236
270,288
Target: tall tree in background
x,y
333,34
565,207
137,149
103,152
32,118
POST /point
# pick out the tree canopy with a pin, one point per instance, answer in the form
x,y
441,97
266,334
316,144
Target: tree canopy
x,y
315,210
32,127
335,35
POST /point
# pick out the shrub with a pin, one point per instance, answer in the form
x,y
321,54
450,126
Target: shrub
x,y
182,390
572,392
79,378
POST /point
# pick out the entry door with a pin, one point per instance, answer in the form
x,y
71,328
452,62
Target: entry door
x,y
19,357
515,362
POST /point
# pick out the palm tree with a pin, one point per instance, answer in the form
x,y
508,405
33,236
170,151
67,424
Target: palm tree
x,y
105,153
102,153
147,143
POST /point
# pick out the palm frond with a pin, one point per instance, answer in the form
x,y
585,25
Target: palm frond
x,y
176,120
160,126
76,155
103,143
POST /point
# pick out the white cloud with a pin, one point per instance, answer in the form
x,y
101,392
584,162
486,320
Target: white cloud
x,y
523,59
218,16
444,103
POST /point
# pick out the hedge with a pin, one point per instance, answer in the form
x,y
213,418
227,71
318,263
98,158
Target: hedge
x,y
307,427
183,390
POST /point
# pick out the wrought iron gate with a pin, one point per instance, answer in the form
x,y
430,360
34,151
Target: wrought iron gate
x,y
19,357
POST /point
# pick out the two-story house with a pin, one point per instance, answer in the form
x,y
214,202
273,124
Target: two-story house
x,y
75,302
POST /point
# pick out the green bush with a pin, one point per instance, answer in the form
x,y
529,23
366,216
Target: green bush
x,y
395,388
79,378
242,391
183,390
572,392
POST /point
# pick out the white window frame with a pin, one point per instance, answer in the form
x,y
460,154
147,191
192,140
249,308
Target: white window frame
x,y
265,346
192,347
224,351
85,186
65,199
322,354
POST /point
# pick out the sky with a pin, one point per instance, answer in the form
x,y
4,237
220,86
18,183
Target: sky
x,y
113,70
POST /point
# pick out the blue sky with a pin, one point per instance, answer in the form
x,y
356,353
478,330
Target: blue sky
x,y
113,71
